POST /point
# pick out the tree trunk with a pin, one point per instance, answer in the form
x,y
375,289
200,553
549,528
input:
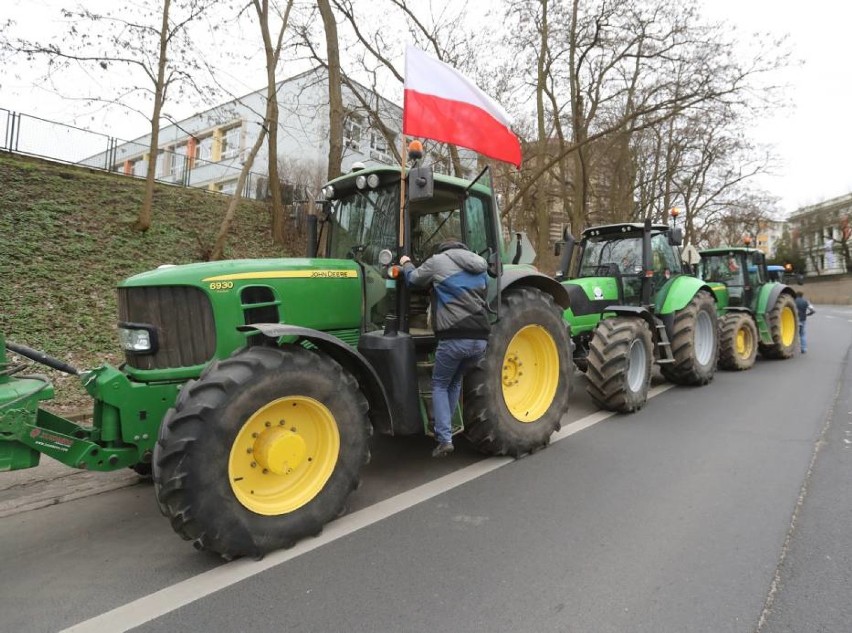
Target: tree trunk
x,y
143,220
271,122
218,251
335,95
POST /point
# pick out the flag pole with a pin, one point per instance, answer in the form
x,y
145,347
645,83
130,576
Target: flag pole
x,y
402,198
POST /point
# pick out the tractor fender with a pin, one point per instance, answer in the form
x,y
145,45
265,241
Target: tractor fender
x,y
676,294
516,277
636,312
381,414
769,294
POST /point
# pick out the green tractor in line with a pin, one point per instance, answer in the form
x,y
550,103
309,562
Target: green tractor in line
x,y
252,387
755,314
632,305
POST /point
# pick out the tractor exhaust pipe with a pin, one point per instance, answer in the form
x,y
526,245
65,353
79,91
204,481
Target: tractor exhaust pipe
x,y
312,235
565,249
647,263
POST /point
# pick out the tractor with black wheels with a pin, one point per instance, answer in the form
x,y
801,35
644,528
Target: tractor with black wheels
x,y
756,315
252,387
632,306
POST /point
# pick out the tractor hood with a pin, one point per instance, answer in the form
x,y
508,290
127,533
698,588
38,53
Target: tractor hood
x,y
243,271
175,319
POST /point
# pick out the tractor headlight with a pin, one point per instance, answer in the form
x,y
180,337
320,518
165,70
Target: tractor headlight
x,y
137,338
361,181
328,192
373,180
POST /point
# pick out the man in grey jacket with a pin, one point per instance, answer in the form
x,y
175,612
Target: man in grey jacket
x,y
460,320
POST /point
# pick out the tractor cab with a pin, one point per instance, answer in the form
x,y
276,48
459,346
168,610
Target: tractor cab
x,y
362,223
742,270
625,264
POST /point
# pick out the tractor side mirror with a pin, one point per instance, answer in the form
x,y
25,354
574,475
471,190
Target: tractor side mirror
x,y
493,260
421,183
676,236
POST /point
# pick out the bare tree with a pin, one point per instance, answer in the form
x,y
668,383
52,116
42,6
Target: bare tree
x,y
617,70
269,128
272,53
152,42
335,95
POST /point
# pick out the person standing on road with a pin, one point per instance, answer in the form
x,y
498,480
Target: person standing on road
x,y
805,309
460,320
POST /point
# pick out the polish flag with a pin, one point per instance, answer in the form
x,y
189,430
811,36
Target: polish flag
x,y
442,104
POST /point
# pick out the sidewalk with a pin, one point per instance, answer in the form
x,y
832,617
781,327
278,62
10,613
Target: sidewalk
x,y
51,482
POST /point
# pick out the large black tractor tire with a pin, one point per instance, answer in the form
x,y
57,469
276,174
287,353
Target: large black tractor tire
x,y
261,451
515,397
737,341
694,342
783,326
620,357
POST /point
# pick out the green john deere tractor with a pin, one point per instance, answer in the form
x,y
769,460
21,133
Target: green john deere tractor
x,y
252,387
632,306
755,314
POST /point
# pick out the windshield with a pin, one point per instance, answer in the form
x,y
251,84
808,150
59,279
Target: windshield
x,y
363,223
606,257
724,268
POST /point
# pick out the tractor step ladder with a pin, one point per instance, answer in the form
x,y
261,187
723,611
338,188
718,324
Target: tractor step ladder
x,y
424,379
666,357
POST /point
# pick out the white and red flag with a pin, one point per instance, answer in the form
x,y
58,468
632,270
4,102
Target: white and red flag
x,y
442,104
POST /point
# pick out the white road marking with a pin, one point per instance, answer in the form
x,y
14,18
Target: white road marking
x,y
170,598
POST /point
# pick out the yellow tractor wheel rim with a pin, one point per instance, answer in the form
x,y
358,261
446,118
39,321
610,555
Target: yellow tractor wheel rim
x,y
744,343
530,373
283,455
788,326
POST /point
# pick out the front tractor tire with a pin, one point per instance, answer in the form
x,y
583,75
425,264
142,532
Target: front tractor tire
x,y
514,399
261,451
737,341
783,327
620,357
694,342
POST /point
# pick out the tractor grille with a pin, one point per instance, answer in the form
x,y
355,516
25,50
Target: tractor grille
x,y
183,317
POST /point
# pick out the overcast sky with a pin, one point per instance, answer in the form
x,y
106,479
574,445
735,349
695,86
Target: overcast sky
x,y
811,137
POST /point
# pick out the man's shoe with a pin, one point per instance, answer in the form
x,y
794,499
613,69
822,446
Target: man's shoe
x,y
442,450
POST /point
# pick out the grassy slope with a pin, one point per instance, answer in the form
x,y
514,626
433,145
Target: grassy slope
x,y
66,240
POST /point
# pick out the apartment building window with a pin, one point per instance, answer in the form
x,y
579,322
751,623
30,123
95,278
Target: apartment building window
x,y
377,142
205,148
379,147
140,167
352,131
164,163
179,160
231,142
229,187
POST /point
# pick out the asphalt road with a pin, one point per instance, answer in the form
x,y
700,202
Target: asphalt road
x,y
724,508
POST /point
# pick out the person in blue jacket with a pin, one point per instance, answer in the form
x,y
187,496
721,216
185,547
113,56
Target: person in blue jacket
x,y
805,309
460,320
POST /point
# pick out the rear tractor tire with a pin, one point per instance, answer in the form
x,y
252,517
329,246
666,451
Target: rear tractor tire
x,y
694,342
514,399
620,364
783,327
261,451
737,341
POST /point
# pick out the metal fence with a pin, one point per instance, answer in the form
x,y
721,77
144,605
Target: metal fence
x,y
34,136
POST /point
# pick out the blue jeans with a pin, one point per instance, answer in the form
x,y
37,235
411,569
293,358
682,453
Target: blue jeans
x,y
803,340
453,358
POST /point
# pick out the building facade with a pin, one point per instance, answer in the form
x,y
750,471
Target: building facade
x,y
822,232
208,149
